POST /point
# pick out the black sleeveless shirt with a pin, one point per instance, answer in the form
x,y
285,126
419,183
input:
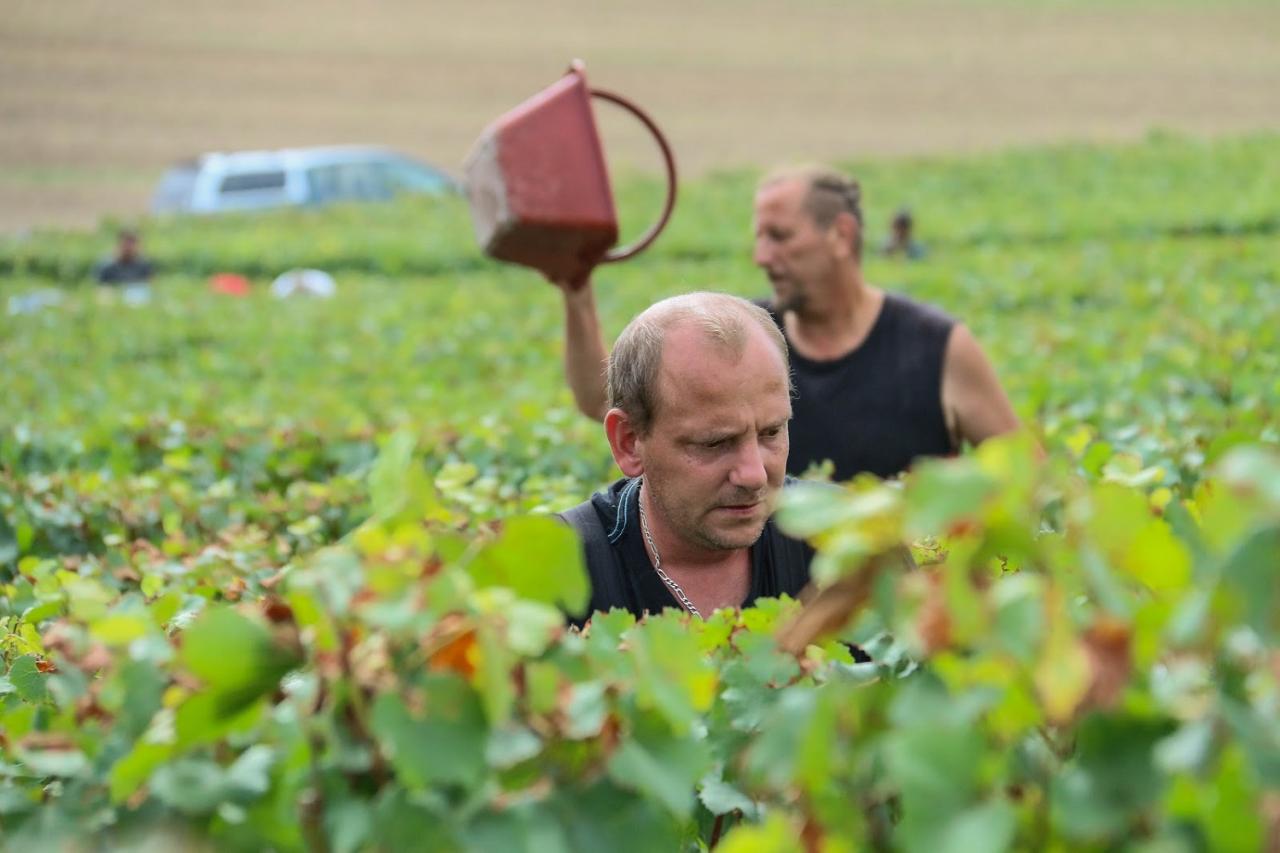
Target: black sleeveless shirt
x,y
622,575
878,407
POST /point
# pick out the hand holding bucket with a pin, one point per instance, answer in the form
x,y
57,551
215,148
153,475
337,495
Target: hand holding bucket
x,y
539,189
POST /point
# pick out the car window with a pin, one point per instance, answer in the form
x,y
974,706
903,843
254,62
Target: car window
x,y
252,182
413,177
347,182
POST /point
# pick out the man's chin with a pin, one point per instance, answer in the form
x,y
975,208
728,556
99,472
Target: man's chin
x,y
784,301
733,536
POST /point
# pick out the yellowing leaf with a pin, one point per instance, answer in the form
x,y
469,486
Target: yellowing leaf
x,y
1063,673
1157,558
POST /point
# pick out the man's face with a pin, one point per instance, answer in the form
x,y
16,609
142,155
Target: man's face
x,y
795,253
716,451
128,247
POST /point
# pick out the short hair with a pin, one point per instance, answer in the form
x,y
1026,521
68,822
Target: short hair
x,y
634,363
829,192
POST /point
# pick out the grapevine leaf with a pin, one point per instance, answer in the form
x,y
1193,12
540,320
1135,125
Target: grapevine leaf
x,y
540,559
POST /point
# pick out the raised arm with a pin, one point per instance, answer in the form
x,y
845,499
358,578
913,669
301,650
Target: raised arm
x,y
584,351
975,404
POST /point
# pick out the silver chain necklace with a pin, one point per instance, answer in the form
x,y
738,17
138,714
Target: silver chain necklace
x,y
657,563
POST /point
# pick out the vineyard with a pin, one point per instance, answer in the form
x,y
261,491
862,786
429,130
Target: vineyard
x,y
283,574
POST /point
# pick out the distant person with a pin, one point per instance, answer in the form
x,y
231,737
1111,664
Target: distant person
x,y
700,399
128,266
902,243
880,379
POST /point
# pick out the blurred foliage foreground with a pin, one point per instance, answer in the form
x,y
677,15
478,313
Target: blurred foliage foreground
x,y
280,575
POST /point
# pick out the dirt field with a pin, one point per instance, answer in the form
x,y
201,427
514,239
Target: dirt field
x,y
97,97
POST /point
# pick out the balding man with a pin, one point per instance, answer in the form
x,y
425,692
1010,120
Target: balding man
x,y
880,380
700,398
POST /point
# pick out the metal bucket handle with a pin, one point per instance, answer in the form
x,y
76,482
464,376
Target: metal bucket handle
x,y
655,229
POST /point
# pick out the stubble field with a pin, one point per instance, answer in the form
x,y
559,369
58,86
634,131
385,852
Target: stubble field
x,y
97,98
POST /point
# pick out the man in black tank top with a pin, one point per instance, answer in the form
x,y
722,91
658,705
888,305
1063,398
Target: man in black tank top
x,y
880,380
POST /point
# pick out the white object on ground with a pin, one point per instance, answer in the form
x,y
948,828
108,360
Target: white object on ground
x,y
36,300
304,283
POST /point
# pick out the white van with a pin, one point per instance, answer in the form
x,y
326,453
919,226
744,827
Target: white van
x,y
253,180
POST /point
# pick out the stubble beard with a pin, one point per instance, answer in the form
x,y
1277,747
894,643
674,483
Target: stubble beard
x,y
703,535
793,300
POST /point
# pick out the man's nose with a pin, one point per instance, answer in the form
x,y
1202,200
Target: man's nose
x,y
748,468
762,254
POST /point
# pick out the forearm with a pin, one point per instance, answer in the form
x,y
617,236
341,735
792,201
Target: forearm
x,y
584,352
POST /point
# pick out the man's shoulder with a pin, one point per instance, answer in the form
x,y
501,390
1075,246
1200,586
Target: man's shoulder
x,y
604,511
917,313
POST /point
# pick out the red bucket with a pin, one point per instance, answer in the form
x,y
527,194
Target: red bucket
x,y
539,188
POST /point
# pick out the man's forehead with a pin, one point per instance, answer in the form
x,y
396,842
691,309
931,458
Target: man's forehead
x,y
783,190
695,362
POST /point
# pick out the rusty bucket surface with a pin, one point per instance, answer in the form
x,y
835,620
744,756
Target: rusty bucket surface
x,y
539,187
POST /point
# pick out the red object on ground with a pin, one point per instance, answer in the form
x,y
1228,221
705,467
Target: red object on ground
x,y
229,283
539,187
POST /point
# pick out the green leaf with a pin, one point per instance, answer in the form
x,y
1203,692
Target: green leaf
x,y
509,746
772,757
120,629
987,827
402,821
722,798
208,716
348,823
775,835
523,829
232,653
54,762
28,680
249,776
811,509
672,674
605,816
1224,803
540,559
389,478
941,491
586,710
1251,571
1111,779
1157,558
128,774
493,677
1019,622
191,786
935,769
398,484
531,626
662,765
1259,735
446,744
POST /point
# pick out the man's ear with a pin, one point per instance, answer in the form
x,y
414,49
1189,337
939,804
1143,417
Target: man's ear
x,y
624,441
845,227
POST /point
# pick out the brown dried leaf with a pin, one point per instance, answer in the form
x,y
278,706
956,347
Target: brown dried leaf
x,y
1108,645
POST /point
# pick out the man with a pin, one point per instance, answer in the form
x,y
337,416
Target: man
x,y
128,266
880,380
902,241
700,400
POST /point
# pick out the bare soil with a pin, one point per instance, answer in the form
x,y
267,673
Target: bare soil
x,y
96,98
